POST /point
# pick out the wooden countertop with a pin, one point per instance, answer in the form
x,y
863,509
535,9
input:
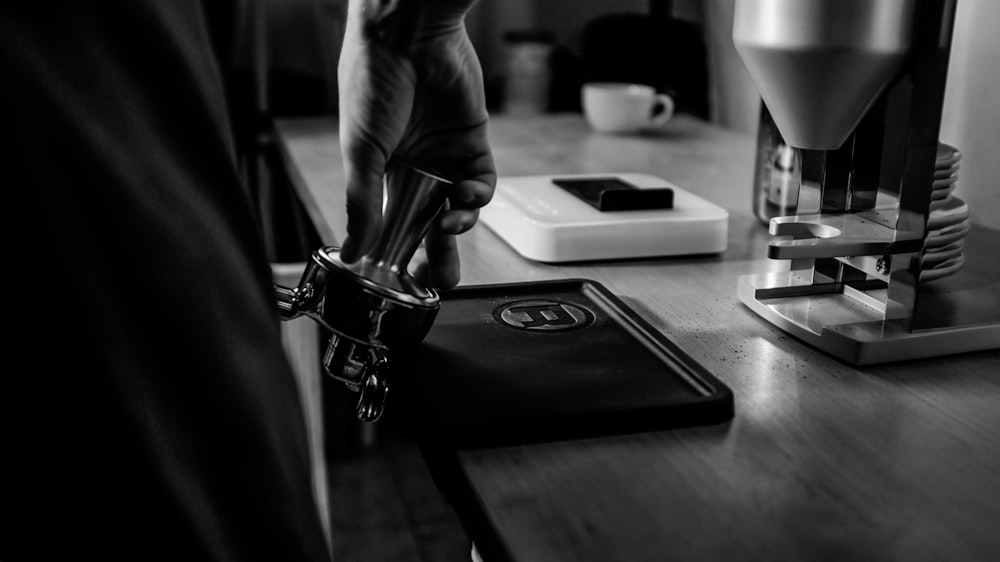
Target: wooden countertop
x,y
821,461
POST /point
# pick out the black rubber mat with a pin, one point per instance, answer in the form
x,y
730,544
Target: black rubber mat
x,y
528,362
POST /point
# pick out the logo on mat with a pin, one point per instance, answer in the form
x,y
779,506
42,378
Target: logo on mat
x,y
543,315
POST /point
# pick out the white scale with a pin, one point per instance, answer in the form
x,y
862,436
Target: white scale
x,y
546,223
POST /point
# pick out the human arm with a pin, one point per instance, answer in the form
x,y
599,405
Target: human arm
x,y
411,89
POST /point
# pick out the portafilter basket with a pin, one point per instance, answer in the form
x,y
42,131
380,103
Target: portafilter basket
x,y
374,308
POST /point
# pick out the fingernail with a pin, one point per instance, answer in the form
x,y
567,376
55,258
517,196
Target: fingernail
x,y
348,250
452,224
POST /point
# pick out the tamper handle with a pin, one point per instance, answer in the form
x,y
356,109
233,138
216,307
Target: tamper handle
x,y
413,198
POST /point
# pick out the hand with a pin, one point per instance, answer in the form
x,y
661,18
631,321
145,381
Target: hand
x,y
411,88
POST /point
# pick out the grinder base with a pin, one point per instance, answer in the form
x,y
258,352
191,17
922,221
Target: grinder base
x,y
829,318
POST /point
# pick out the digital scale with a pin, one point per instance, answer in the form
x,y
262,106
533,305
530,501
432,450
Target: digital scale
x,y
584,217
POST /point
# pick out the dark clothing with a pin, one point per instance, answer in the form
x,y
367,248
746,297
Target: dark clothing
x,y
148,409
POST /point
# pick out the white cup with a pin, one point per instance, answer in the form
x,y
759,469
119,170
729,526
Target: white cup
x,y
618,107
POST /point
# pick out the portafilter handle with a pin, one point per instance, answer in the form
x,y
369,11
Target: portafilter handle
x,y
373,306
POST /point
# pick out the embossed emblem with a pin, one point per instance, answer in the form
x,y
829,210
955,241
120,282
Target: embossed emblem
x,y
543,315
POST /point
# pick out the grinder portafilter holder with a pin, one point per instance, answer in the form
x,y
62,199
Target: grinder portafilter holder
x,y
374,308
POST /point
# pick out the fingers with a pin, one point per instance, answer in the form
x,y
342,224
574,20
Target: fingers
x,y
457,221
464,203
365,165
372,123
364,207
468,196
473,193
442,270
437,122
438,265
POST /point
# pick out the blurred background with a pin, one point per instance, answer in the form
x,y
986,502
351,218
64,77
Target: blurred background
x,y
536,54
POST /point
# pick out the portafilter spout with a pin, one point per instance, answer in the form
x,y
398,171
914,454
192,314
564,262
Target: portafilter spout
x,y
821,64
373,307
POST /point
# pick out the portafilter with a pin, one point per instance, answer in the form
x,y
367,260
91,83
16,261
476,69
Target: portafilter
x,y
374,308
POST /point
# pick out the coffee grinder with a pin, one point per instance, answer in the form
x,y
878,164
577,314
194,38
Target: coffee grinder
x,y
858,87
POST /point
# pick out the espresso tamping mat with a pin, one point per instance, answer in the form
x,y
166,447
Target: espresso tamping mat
x,y
527,362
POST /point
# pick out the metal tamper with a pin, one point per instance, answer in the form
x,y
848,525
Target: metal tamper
x,y
374,307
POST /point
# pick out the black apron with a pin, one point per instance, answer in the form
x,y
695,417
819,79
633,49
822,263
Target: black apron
x,y
148,409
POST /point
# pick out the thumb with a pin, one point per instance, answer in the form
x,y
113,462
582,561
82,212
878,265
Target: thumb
x,y
364,168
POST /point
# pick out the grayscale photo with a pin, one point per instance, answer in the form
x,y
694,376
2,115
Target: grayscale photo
x,y
501,280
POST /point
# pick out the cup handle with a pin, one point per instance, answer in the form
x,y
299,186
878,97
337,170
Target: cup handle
x,y
663,110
